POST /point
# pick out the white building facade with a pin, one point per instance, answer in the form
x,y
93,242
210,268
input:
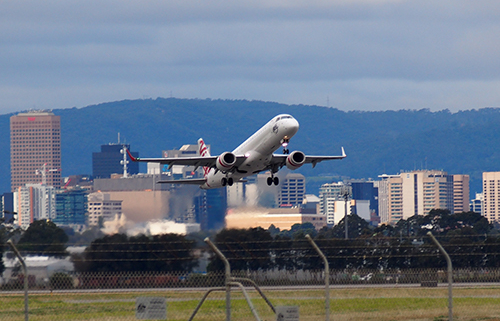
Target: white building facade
x,y
34,202
102,209
332,203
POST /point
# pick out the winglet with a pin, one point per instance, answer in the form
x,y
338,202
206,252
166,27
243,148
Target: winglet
x,y
343,152
131,157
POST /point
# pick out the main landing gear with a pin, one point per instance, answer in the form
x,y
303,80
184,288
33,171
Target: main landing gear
x,y
273,179
227,181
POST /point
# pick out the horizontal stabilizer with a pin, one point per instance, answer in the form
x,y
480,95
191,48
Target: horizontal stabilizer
x,y
192,181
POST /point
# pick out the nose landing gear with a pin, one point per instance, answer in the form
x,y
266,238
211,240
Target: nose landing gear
x,y
284,143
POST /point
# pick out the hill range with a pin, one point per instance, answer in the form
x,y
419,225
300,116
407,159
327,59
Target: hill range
x,y
376,143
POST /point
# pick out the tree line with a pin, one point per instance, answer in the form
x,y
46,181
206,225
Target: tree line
x,y
470,240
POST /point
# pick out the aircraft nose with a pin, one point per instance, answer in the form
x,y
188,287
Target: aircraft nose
x,y
292,126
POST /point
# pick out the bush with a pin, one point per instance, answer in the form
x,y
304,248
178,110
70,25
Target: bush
x,y
61,281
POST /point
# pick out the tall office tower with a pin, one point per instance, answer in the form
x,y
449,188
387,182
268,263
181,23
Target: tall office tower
x,y
418,192
461,193
109,161
35,149
210,208
491,196
71,208
365,190
292,190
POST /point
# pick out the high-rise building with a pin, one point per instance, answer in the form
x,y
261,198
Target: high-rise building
x,y
476,205
210,208
71,208
292,190
461,193
102,209
7,207
109,161
332,203
491,196
365,191
35,149
34,202
418,192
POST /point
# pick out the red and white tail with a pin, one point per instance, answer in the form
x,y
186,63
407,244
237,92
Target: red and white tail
x,y
204,152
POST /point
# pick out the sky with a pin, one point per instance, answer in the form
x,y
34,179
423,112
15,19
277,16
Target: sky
x,y
347,54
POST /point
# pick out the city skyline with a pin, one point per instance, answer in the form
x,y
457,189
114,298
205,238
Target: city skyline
x,y
365,137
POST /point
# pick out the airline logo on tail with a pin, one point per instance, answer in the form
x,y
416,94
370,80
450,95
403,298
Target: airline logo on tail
x,y
202,148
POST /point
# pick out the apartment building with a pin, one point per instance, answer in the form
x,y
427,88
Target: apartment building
x,y
491,196
34,202
418,192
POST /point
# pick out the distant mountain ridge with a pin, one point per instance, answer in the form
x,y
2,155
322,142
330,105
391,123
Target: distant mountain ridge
x,y
375,142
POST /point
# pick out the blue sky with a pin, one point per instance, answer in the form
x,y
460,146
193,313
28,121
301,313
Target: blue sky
x,y
351,55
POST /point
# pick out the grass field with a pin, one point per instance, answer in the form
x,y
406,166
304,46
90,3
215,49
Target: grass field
x,y
412,303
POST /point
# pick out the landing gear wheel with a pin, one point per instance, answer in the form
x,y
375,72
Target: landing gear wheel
x,y
223,181
276,180
230,181
269,181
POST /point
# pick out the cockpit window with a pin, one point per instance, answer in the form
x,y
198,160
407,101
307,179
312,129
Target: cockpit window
x,y
286,117
278,118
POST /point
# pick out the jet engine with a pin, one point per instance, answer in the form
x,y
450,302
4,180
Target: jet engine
x,y
225,161
295,160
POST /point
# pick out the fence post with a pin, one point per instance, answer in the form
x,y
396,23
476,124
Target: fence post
x,y
327,276
227,280
25,271
450,276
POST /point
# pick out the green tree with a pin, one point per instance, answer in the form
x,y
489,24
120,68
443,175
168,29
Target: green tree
x,y
44,238
246,249
299,231
356,226
120,253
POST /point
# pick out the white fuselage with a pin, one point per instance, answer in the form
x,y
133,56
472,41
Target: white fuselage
x,y
257,149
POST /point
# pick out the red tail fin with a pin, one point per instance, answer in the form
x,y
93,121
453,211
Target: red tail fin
x,y
203,150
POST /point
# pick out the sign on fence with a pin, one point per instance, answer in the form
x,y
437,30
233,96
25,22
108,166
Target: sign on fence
x,y
287,313
150,308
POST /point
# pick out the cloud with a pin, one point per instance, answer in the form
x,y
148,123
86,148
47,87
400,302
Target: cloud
x,y
361,54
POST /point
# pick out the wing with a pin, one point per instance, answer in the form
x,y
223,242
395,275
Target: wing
x,y
208,161
203,161
279,161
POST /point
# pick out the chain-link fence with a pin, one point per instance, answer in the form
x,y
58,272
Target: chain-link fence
x,y
112,296
181,281
354,293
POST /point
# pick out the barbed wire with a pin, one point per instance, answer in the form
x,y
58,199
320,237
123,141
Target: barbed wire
x,y
321,240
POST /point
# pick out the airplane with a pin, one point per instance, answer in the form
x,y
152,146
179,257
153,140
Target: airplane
x,y
253,156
